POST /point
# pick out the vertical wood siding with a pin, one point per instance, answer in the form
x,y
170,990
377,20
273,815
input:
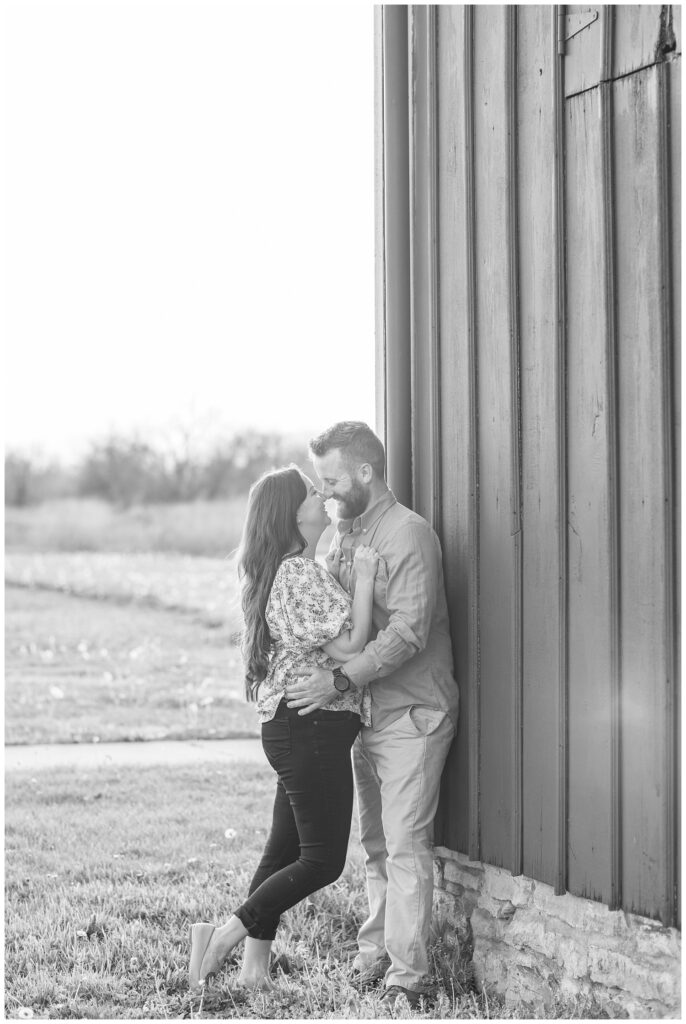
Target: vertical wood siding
x,y
458,509
541,465
533,357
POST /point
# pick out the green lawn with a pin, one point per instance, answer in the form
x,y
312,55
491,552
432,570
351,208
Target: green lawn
x,y
105,871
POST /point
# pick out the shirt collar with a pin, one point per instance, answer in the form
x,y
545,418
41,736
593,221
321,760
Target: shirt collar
x,y
369,516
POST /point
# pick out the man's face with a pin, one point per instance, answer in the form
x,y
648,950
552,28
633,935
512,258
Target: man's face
x,y
341,482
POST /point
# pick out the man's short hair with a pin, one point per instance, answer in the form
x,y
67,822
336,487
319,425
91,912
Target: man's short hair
x,y
357,443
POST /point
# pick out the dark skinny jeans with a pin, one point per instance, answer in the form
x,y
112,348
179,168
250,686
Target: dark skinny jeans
x,y
308,842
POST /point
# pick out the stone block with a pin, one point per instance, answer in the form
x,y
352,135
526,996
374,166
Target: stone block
x,y
486,926
523,890
645,979
527,930
533,986
467,875
656,940
491,966
534,947
501,909
498,883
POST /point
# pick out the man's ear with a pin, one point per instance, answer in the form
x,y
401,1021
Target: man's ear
x,y
365,473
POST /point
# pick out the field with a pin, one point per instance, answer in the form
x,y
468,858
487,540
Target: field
x,y
122,647
106,869
196,528
99,899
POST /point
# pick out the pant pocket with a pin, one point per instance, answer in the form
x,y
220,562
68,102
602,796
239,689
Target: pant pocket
x,y
276,739
421,720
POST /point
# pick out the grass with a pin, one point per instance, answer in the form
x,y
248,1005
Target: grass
x,y
99,899
211,528
104,871
206,588
113,646
116,646
81,670
202,528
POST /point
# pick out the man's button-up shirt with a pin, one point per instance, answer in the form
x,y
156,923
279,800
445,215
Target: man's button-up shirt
x,y
408,659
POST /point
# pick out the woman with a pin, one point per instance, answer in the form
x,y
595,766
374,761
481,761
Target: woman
x,y
296,617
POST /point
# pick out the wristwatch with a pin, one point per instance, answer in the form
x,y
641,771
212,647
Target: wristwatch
x,y
341,680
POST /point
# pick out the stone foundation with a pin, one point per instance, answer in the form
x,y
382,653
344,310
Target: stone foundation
x,y
531,946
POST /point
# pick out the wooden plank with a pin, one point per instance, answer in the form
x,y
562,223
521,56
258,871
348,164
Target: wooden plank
x,y
396,252
639,33
540,463
646,683
583,52
513,243
560,293
611,356
452,824
674,93
474,710
497,577
379,229
589,628
423,264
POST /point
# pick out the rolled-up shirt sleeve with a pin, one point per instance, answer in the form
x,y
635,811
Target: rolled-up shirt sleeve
x,y
410,597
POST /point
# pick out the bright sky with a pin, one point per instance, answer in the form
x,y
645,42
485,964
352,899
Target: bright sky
x,y
189,217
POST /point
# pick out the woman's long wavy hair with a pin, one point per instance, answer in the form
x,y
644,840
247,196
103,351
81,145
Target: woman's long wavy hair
x,y
269,533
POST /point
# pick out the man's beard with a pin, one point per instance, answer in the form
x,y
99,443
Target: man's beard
x,y
355,501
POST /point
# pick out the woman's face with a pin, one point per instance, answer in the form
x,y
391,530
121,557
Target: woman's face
x,y
312,513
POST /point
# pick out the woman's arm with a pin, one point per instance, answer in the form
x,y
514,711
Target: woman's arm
x,y
352,641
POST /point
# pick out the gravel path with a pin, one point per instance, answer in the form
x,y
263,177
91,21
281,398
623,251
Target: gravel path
x,y
98,755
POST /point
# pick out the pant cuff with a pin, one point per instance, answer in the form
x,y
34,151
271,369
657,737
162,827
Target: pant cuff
x,y
256,930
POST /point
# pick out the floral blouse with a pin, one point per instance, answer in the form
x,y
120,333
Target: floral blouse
x,y
306,609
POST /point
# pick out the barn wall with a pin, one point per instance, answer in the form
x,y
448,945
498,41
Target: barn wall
x,y
528,319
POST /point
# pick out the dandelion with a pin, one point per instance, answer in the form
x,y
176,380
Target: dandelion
x,y
56,692
230,833
25,1013
193,860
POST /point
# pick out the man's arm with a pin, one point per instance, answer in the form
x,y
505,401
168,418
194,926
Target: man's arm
x,y
410,598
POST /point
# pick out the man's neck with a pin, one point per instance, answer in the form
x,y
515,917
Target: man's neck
x,y
376,494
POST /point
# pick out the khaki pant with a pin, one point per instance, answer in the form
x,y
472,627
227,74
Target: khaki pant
x,y
397,777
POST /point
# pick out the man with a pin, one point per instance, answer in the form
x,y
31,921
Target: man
x,y
407,667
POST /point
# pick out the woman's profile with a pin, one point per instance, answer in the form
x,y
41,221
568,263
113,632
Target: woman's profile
x,y
296,617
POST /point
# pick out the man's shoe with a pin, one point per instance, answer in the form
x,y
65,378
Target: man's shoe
x,y
396,993
366,977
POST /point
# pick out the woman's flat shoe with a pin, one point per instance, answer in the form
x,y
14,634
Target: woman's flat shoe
x,y
201,936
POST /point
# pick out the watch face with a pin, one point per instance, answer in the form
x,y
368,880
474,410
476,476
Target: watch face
x,y
341,681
